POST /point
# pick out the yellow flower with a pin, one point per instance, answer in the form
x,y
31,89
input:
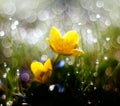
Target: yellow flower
x,y
41,72
65,45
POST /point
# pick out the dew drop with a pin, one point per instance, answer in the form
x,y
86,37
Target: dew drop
x,y
100,4
51,87
2,33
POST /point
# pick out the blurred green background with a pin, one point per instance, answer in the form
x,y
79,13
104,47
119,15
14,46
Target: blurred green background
x,y
92,79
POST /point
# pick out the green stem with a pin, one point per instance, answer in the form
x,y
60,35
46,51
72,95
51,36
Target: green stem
x,y
56,58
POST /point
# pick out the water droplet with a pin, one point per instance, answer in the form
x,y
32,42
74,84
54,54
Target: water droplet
x,y
25,104
3,97
97,61
78,64
91,83
89,31
43,58
92,17
16,22
79,23
9,103
17,73
10,18
51,87
5,64
107,38
77,72
68,74
95,88
2,33
105,57
13,26
95,40
107,22
70,62
8,69
4,75
100,4
89,102
98,16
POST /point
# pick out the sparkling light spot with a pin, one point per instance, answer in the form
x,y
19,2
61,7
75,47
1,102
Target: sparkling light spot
x,y
107,38
10,18
51,87
97,61
95,40
98,16
5,64
9,103
105,57
77,72
17,73
4,75
89,102
91,83
8,69
2,33
68,74
24,104
79,23
89,31
13,26
16,22
95,88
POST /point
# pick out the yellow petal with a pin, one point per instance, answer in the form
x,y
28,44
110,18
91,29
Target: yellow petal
x,y
46,76
47,65
36,67
52,45
71,38
55,34
77,52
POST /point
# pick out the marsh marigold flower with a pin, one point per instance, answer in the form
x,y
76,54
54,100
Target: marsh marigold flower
x,y
65,45
41,72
